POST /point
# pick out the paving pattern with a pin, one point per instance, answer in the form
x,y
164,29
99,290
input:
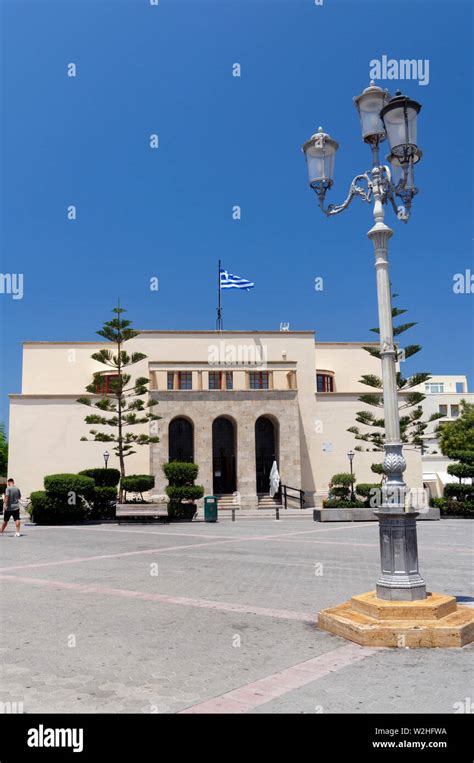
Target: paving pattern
x,y
216,618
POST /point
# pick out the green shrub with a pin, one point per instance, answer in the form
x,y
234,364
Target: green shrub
x,y
179,493
343,478
103,477
138,483
335,504
461,471
453,508
181,510
47,509
102,505
367,490
458,490
340,486
364,489
63,485
181,476
180,472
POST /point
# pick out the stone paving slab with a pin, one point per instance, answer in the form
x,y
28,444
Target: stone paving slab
x,y
88,625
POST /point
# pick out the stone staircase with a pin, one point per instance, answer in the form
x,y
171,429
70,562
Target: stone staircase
x,y
226,502
266,502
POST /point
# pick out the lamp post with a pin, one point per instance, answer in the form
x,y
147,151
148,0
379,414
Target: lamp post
x,y
350,456
106,457
393,118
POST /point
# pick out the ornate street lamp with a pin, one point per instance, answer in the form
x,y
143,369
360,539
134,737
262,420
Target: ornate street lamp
x,y
106,457
350,456
395,118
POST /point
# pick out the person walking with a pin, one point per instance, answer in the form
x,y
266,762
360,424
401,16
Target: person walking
x,y
11,506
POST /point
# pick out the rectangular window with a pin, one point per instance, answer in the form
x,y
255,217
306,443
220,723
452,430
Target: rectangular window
x,y
170,380
443,409
229,380
460,387
324,383
215,379
103,384
434,387
454,411
258,379
185,380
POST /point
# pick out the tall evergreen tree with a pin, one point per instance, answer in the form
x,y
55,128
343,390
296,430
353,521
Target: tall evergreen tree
x,y
413,424
3,450
121,404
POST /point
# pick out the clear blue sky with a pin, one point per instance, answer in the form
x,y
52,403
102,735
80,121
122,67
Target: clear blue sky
x,y
224,141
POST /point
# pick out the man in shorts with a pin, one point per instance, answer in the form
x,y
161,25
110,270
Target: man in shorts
x,y
11,506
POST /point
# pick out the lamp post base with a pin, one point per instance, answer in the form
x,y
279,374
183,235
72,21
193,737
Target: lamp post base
x,y
400,579
437,621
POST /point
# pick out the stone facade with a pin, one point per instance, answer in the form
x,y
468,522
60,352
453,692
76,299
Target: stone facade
x,y
243,408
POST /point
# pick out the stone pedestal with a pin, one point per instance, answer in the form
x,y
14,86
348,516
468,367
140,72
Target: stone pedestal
x,y
436,621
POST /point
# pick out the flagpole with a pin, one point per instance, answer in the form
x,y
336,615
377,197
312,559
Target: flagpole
x,y
219,323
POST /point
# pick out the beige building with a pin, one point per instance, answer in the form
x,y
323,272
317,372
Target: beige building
x,y
231,401
443,396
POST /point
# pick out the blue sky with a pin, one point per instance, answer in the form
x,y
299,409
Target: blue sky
x,y
224,141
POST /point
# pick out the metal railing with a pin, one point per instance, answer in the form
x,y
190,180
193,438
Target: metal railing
x,y
285,497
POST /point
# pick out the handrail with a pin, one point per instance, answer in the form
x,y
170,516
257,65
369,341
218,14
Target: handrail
x,y
284,492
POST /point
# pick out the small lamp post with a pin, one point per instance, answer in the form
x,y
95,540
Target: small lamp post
x,y
106,458
350,456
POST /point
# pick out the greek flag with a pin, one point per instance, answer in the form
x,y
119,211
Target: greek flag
x,y
231,281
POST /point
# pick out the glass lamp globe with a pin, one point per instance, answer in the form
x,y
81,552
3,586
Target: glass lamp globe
x,y
399,116
320,151
369,105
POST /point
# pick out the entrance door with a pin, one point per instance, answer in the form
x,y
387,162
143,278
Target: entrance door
x,y
265,450
223,456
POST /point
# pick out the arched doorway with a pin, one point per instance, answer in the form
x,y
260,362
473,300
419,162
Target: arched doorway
x,y
223,456
265,452
180,440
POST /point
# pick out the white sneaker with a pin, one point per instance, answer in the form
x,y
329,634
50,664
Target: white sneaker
x,y
17,535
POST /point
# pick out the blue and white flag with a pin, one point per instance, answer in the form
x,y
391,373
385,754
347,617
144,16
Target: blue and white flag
x,y
231,281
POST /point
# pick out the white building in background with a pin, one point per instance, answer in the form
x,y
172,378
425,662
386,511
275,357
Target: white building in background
x,y
443,395
231,401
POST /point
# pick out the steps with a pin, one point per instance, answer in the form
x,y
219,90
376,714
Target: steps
x,y
227,502
267,502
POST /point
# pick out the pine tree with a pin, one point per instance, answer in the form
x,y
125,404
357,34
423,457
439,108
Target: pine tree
x,y
413,425
121,406
3,450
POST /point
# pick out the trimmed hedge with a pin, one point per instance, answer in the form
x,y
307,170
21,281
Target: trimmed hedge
x,y
182,510
46,509
364,489
62,485
453,508
178,493
102,505
334,504
138,483
103,477
458,490
180,472
181,476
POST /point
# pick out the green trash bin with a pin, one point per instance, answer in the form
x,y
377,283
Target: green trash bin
x,y
210,508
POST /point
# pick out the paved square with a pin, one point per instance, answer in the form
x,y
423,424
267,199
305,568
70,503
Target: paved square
x,y
207,617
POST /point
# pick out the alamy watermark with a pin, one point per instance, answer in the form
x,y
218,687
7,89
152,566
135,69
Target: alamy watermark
x,y
223,354
12,284
415,69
